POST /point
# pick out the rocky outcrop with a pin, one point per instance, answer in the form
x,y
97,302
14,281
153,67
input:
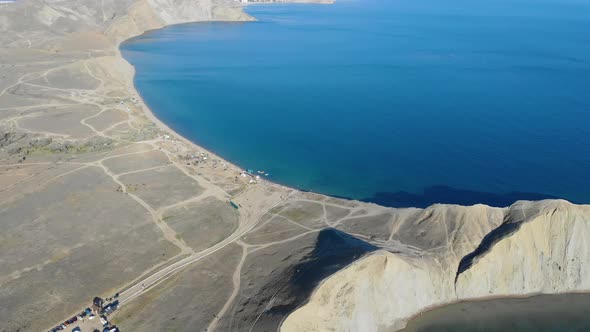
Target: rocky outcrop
x,y
540,247
146,15
545,254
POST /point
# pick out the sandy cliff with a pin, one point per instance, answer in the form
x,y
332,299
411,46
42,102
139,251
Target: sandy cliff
x,y
146,15
539,247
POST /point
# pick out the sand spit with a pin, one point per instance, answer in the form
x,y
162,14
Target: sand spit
x,y
98,197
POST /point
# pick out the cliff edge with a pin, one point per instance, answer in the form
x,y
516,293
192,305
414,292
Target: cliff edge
x,y
540,247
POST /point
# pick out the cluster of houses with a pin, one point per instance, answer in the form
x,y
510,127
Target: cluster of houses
x,y
99,308
86,313
104,309
197,158
202,158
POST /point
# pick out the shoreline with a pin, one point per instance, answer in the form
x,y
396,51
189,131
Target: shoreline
x,y
416,195
436,307
488,298
145,110
482,300
150,115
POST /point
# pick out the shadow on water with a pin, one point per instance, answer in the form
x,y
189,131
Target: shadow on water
x,y
334,250
448,195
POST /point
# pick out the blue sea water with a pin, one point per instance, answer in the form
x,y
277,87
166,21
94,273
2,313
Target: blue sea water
x,y
400,102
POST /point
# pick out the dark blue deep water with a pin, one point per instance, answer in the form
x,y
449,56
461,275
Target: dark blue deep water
x,y
400,102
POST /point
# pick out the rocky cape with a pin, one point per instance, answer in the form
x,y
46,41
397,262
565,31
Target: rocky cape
x,y
456,254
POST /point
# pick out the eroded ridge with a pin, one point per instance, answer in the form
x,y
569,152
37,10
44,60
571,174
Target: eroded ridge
x,y
527,249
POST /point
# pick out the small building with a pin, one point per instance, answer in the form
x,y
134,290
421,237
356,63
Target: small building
x,y
109,308
97,304
98,301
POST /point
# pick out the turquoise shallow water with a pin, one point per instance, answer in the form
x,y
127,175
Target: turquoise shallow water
x,y
400,102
